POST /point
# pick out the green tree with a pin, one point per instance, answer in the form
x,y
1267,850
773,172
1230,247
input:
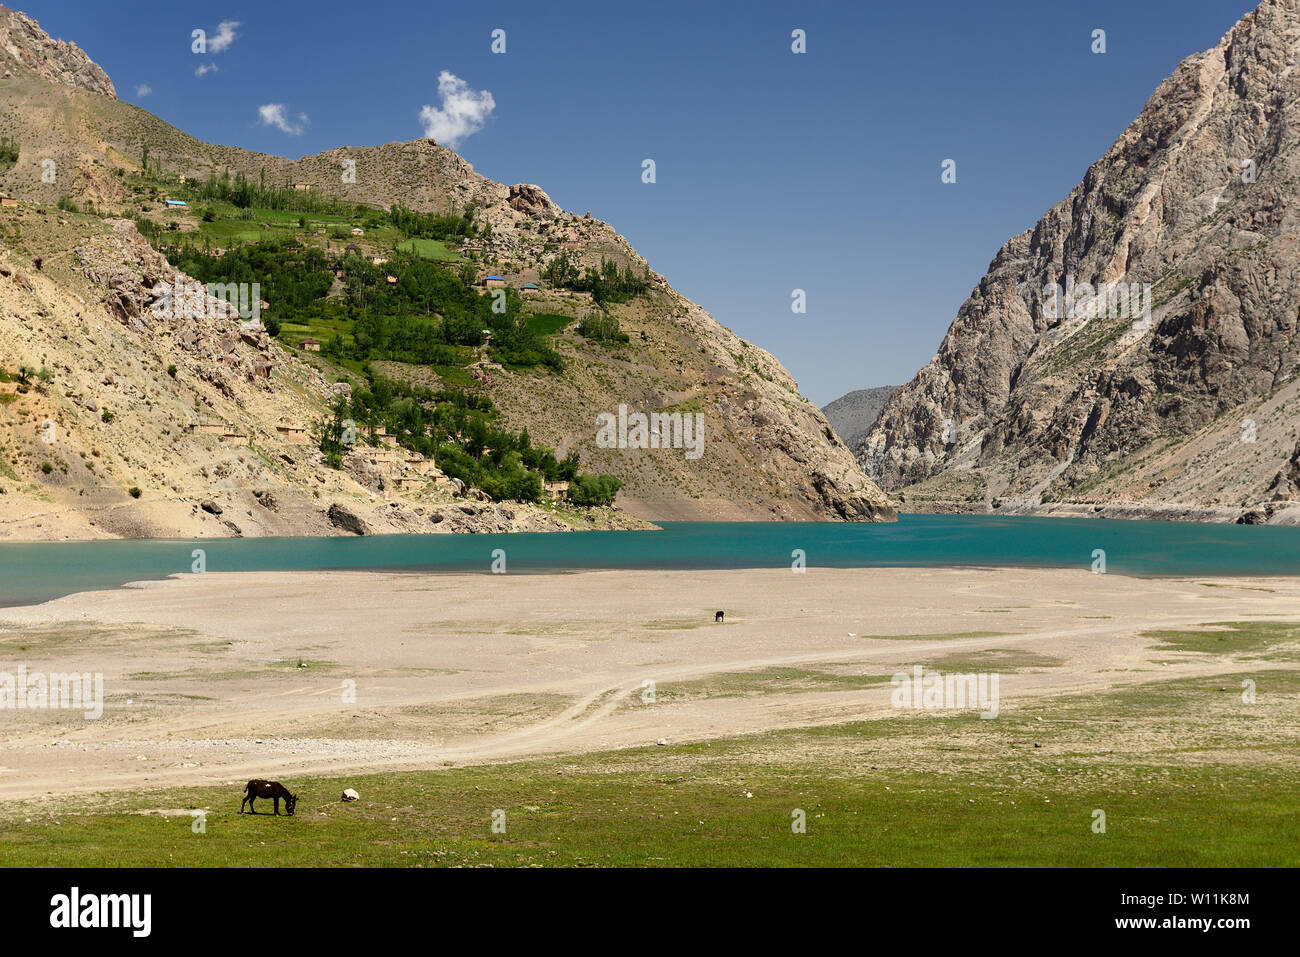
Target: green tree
x,y
331,430
593,489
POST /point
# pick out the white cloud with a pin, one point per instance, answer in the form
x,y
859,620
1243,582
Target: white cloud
x,y
462,114
206,68
273,114
224,37
144,89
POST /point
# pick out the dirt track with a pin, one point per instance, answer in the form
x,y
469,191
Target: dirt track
x,y
202,682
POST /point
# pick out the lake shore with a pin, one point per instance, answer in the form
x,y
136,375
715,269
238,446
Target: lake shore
x,y
33,573
1285,514
220,677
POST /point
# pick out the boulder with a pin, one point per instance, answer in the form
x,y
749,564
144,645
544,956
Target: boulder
x,y
343,517
531,201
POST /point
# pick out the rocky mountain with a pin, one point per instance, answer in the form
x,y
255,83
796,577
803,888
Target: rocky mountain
x,y
134,425
168,427
25,47
1045,396
852,415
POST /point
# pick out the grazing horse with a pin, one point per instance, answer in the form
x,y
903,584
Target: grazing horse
x,y
717,616
268,789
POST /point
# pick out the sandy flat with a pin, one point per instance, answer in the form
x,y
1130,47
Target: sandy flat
x,y
220,677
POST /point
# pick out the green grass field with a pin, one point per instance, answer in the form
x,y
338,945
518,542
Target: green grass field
x,y
434,249
1274,640
1184,774
548,323
231,226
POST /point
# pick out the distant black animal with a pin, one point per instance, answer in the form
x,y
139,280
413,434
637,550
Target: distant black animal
x,y
717,616
268,789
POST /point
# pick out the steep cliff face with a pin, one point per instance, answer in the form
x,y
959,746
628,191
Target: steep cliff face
x,y
768,453
24,46
1036,397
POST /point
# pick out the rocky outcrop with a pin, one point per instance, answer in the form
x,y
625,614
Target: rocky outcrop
x,y
341,516
1286,484
143,290
1059,398
532,202
26,48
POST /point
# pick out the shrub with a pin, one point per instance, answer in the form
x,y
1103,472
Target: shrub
x,y
134,491
602,328
593,489
8,151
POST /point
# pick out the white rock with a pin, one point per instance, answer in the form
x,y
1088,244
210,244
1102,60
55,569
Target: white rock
x,y
350,795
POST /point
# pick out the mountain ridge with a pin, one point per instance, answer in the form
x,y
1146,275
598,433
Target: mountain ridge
x,y
853,414
771,453
25,44
1026,408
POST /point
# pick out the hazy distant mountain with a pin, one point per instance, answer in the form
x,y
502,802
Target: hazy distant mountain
x,y
1047,401
852,415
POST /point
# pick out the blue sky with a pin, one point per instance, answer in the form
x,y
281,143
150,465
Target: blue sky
x,y
775,171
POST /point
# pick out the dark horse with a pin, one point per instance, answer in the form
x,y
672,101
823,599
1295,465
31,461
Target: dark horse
x,y
268,789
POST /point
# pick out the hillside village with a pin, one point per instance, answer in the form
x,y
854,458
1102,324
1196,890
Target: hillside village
x,y
237,368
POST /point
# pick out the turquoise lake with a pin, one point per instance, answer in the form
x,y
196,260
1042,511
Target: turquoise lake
x,y
38,572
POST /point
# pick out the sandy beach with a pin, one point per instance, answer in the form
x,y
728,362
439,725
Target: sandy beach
x,y
214,678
